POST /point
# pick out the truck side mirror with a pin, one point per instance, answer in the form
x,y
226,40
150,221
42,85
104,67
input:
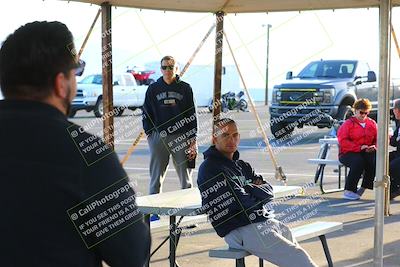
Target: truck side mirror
x,y
371,77
289,75
357,80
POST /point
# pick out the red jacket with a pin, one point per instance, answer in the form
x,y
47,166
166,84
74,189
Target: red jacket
x,y
352,135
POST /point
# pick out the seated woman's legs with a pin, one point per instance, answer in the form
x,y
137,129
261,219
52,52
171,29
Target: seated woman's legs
x,y
356,163
369,174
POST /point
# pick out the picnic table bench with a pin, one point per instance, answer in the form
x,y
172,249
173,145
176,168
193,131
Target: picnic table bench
x,y
301,233
322,161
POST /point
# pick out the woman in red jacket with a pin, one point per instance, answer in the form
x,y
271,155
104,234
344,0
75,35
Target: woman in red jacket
x,y
357,149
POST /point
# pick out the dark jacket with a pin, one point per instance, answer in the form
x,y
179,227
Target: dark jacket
x,y
394,140
170,108
43,175
228,196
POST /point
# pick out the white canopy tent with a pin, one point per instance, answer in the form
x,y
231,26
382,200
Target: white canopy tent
x,y
220,7
240,6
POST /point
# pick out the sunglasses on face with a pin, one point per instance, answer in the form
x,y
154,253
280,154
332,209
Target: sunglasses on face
x,y
364,112
80,67
171,67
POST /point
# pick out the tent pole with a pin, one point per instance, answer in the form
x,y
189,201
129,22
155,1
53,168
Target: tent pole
x,y
106,51
196,51
383,123
279,175
88,34
396,43
218,66
132,147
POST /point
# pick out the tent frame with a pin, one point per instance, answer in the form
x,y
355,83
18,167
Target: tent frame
x,y
385,9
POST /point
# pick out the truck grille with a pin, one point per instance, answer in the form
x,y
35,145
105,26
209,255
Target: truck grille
x,y
298,112
79,93
292,97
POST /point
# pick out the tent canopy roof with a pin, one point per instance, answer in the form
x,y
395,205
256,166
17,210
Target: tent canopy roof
x,y
240,6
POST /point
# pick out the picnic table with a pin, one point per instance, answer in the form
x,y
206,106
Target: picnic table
x,y
186,202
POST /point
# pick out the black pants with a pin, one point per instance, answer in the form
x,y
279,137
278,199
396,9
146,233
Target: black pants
x,y
394,171
393,155
360,164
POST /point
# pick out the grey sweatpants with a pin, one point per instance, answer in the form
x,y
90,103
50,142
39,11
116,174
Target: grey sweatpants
x,y
160,153
272,241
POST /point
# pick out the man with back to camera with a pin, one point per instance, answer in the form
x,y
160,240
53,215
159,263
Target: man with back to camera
x,y
234,198
170,123
42,171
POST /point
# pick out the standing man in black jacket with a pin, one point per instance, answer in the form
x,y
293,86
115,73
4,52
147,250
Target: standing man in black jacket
x,y
170,123
235,199
394,156
61,204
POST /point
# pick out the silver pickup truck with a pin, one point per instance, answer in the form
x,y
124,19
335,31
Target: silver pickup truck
x,y
126,94
323,91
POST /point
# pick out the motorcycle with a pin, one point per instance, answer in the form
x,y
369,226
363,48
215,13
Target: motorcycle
x,y
231,101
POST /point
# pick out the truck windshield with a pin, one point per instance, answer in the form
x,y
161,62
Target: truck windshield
x,y
92,79
328,69
98,79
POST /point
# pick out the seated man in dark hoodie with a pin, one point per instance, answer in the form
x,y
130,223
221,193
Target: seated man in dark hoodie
x,y
234,198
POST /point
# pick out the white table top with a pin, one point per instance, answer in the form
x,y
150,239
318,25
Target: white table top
x,y
331,140
186,201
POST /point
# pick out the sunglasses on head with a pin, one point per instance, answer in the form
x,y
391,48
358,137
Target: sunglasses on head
x,y
171,67
364,112
80,67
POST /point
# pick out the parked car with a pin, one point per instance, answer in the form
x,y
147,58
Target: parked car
x,y
323,91
126,94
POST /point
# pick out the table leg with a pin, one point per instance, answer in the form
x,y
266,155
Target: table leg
x,y
172,240
326,250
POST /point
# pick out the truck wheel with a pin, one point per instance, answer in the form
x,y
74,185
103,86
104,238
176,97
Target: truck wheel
x,y
72,113
119,111
98,108
344,113
279,130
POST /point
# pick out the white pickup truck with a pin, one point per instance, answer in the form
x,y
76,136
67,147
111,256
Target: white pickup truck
x,y
89,96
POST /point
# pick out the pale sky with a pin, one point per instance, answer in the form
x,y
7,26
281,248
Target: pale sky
x,y
141,36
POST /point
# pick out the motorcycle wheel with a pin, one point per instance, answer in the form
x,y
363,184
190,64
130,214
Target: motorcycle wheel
x,y
210,106
242,105
225,107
